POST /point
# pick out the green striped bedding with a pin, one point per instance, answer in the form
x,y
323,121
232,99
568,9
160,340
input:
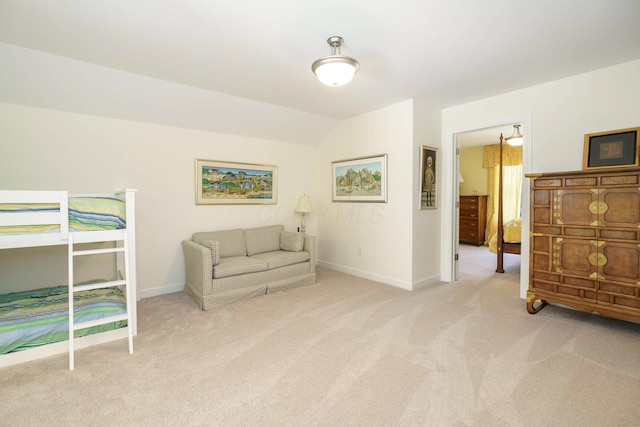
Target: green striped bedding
x,y
41,316
85,214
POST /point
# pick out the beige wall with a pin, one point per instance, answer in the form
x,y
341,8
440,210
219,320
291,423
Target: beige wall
x,y
52,150
382,231
474,175
427,222
85,154
400,245
558,115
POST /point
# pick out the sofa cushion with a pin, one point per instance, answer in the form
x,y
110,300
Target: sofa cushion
x,y
276,259
213,245
232,266
290,241
231,241
263,239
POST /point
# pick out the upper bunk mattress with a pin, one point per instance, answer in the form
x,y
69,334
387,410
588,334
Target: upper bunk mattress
x,y
85,214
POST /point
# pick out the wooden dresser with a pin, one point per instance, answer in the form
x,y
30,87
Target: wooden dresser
x,y
473,219
585,241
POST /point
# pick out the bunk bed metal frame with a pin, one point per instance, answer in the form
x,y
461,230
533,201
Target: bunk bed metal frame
x,y
124,248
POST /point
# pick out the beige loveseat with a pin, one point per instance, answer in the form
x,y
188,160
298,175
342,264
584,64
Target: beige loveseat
x,y
229,265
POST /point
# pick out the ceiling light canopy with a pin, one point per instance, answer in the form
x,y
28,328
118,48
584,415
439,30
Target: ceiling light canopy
x,y
515,139
335,69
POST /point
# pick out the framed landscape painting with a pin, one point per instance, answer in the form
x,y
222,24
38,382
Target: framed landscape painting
x,y
228,183
363,179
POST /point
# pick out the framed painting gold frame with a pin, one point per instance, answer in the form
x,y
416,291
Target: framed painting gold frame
x,y
230,183
612,149
428,184
363,179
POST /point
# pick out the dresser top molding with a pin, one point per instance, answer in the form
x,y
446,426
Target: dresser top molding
x,y
537,175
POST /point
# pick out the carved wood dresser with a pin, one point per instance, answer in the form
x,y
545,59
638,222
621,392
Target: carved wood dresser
x,y
585,241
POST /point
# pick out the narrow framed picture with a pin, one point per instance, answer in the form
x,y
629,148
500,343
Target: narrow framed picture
x,y
428,177
229,183
363,179
612,149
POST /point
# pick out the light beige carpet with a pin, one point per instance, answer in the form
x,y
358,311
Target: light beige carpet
x,y
347,352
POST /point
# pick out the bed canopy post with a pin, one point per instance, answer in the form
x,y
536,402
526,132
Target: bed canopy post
x,y
499,268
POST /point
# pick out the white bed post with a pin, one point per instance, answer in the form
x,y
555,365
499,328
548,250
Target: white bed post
x,y
130,266
71,313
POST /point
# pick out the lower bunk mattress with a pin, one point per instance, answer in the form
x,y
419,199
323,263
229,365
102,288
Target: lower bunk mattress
x,y
41,316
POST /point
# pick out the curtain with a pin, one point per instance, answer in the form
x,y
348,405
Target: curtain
x,y
511,187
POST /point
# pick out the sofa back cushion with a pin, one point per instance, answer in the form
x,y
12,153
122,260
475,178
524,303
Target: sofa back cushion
x,y
230,242
263,239
291,242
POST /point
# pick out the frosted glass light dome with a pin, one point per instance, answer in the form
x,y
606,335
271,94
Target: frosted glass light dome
x,y
335,70
516,139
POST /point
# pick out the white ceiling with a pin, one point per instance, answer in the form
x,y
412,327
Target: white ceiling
x,y
445,52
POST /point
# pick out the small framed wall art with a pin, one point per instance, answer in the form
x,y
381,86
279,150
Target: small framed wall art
x,y
363,179
428,177
612,149
228,183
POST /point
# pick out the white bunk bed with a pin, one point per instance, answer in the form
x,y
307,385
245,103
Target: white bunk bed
x,y
57,219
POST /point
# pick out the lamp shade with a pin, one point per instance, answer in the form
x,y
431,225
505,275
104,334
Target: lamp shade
x,y
304,204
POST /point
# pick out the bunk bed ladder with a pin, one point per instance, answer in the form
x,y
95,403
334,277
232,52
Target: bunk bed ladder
x,y
123,282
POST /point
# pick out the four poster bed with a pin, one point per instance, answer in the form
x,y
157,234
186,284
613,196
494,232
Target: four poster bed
x,y
508,238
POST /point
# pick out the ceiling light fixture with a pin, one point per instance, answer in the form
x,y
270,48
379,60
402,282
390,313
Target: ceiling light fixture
x,y
335,69
515,139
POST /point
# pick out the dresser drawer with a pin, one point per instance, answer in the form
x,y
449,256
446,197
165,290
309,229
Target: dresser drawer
x,y
473,218
472,200
470,234
469,202
469,223
467,213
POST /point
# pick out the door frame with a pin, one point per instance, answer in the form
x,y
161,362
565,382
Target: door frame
x,y
450,212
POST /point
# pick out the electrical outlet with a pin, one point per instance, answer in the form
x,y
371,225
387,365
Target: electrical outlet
x,y
359,251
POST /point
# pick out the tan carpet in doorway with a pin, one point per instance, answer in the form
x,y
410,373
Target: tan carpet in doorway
x,y
347,352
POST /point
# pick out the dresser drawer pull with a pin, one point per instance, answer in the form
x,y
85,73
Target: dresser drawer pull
x,y
472,215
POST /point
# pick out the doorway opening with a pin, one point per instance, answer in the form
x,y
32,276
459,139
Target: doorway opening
x,y
451,210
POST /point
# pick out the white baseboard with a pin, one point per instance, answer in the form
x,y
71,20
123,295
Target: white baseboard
x,y
366,275
179,287
154,292
382,279
423,283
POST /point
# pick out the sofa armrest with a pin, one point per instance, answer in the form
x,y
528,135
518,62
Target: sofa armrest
x,y
198,266
310,246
